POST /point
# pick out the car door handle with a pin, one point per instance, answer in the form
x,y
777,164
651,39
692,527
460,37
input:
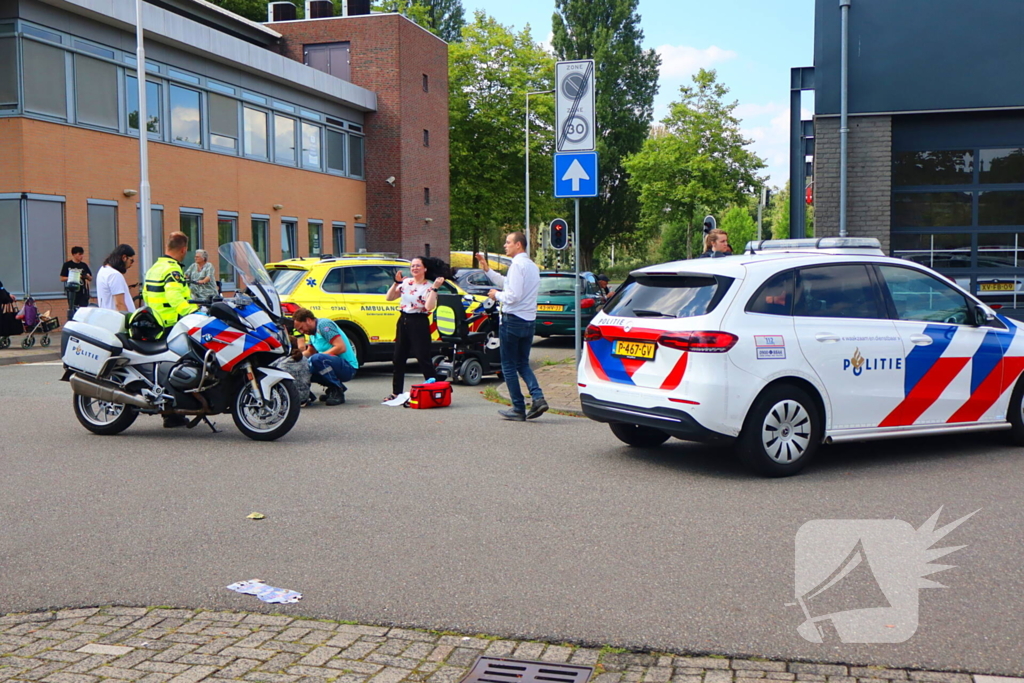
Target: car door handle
x,y
826,337
920,339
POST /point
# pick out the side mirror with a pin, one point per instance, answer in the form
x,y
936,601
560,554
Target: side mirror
x,y
983,315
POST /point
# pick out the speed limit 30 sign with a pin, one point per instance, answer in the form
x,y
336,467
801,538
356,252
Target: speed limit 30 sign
x,y
574,106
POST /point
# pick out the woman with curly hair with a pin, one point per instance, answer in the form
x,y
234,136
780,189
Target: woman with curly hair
x,y
418,296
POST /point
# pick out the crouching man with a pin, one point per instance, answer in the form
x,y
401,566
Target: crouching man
x,y
332,360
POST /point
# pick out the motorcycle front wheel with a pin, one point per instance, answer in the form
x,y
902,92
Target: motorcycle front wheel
x,y
274,418
103,417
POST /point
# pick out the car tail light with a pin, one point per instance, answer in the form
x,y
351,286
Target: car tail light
x,y
699,342
995,307
593,333
587,303
289,309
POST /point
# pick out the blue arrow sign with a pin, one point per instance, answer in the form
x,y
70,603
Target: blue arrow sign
x,y
576,174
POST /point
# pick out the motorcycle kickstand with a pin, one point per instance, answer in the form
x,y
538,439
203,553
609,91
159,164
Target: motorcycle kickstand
x,y
204,418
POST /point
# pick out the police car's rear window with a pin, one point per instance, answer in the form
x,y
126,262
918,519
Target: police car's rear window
x,y
668,296
286,279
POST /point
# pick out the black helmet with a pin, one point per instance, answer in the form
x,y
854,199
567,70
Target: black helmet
x,y
143,325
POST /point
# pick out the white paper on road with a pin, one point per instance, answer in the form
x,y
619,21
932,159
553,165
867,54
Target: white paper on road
x,y
264,592
397,400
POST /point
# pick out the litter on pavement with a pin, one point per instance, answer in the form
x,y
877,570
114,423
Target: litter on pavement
x,y
397,400
264,592
256,515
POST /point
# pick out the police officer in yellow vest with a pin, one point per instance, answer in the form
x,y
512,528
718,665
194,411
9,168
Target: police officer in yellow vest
x,y
165,291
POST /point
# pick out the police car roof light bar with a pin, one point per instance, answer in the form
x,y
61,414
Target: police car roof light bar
x,y
814,243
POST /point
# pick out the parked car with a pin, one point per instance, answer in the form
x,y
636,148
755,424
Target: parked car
x,y
474,281
556,302
803,343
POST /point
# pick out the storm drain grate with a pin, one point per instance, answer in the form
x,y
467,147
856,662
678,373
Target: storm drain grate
x,y
502,670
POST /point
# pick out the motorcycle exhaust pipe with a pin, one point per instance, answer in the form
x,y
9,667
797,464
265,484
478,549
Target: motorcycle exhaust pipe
x,y
104,392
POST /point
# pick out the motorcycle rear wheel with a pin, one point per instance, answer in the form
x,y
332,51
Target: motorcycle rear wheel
x,y
272,421
102,417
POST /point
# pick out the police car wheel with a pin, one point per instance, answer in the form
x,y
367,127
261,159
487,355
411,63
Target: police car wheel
x,y
103,417
1015,413
781,434
637,435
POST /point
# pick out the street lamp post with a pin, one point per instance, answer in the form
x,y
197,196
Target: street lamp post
x,y
145,217
529,244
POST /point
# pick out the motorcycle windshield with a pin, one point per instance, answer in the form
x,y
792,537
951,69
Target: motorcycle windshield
x,y
251,274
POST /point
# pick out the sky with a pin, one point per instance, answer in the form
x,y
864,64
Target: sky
x,y
751,43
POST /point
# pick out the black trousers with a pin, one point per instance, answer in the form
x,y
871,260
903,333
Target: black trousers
x,y
412,339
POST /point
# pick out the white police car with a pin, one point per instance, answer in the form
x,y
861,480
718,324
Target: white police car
x,y
794,344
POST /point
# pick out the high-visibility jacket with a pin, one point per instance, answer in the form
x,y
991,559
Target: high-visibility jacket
x,y
165,291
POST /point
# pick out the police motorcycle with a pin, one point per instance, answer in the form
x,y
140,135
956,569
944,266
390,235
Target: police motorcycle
x,y
216,360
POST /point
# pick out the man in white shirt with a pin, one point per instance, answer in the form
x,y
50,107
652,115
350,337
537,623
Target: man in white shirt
x,y
518,315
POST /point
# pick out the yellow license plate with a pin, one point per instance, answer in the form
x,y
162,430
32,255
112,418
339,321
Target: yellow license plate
x,y
632,349
550,307
996,286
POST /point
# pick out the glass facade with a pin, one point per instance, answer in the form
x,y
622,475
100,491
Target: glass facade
x,y
191,223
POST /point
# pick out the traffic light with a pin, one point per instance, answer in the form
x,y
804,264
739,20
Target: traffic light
x,y
559,234
709,224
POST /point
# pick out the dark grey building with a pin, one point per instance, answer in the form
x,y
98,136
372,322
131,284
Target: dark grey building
x,y
936,134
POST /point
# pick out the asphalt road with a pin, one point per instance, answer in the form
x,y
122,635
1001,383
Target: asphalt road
x,y
454,519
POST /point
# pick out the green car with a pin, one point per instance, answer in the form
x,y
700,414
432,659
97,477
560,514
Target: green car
x,y
556,300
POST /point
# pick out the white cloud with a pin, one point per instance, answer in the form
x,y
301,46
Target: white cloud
x,y
546,44
682,61
770,136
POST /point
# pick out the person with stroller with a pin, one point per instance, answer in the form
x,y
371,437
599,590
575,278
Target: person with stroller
x,y
202,281
112,291
76,276
418,296
332,360
9,325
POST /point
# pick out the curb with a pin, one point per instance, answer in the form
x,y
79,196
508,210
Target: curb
x,y
37,358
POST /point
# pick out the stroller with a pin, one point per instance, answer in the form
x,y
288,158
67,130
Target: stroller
x,y
474,349
34,322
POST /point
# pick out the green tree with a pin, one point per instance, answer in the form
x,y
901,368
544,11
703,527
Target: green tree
x,y
780,214
608,31
698,163
490,71
742,228
444,18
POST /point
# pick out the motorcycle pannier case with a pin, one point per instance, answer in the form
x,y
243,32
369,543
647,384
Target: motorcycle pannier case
x,y
88,348
433,395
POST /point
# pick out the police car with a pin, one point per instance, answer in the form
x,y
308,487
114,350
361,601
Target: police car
x,y
796,343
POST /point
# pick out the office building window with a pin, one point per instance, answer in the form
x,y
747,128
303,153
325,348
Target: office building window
x,y
338,230
44,248
45,79
191,223
360,237
310,145
355,156
426,83
316,229
259,238
8,73
186,122
284,140
255,133
96,92
999,165
227,230
289,240
11,237
102,219
153,112
426,195
335,151
223,122
426,138
332,58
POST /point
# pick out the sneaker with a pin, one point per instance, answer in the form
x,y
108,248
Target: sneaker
x,y
323,397
538,408
310,401
513,414
335,396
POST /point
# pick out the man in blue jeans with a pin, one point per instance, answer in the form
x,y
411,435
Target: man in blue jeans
x,y
332,360
518,300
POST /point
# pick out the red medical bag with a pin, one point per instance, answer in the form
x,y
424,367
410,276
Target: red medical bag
x,y
433,395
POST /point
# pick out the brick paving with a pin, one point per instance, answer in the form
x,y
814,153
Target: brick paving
x,y
161,645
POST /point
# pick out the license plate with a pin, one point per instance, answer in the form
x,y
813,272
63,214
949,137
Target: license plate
x,y
632,349
550,307
996,286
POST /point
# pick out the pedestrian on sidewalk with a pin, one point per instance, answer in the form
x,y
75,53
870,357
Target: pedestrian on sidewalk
x,y
716,244
9,325
418,296
76,276
112,291
518,300
332,361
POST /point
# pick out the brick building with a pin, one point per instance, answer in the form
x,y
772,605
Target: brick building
x,y
936,135
246,141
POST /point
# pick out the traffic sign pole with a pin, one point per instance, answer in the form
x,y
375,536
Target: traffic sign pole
x,y
579,316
